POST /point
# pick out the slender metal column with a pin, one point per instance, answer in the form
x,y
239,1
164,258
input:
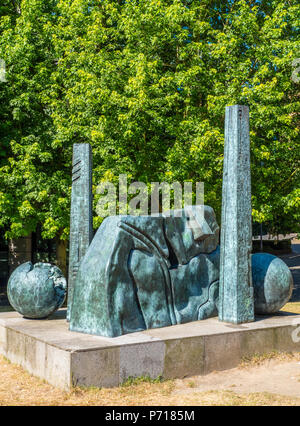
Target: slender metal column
x,y
236,303
81,221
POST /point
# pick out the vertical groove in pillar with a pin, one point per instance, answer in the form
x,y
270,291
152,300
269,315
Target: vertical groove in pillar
x,y
81,224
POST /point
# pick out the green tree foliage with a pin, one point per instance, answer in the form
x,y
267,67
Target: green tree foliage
x,y
34,176
146,83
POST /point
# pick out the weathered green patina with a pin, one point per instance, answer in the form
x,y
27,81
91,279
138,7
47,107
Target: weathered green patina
x,y
36,291
142,272
272,283
81,219
236,290
145,272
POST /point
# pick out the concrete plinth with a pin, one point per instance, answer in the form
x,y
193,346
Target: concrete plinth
x,y
47,349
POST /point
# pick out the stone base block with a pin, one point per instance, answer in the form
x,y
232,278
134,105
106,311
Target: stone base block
x,y
47,349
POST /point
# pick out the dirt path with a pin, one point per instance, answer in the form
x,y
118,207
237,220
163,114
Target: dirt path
x,y
272,376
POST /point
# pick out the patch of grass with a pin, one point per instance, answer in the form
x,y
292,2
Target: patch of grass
x,y
258,359
293,307
230,398
6,359
133,381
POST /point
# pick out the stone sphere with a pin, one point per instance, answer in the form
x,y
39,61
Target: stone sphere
x,y
272,283
36,291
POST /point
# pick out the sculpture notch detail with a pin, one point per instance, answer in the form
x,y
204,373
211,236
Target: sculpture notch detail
x,y
236,290
81,225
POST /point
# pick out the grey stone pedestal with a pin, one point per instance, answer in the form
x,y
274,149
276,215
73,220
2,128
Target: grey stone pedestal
x,y
47,349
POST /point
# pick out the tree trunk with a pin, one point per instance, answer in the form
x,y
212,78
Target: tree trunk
x,y
20,251
61,255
